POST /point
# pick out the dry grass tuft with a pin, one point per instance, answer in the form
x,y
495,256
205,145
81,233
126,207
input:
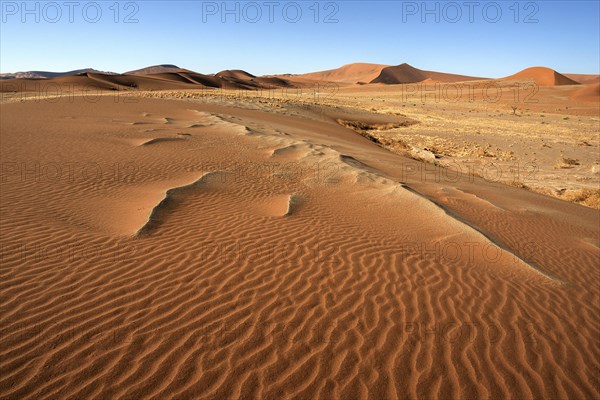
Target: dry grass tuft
x,y
566,163
586,197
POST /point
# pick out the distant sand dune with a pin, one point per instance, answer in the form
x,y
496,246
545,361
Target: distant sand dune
x,y
542,76
404,73
584,78
590,92
91,82
350,73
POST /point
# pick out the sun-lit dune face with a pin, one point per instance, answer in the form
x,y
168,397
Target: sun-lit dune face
x,y
584,78
589,93
156,69
350,73
237,74
93,84
404,73
542,76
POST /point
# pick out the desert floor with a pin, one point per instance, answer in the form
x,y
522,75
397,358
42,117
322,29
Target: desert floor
x,y
335,243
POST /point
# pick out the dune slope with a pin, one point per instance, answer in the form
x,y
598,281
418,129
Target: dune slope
x,y
405,73
542,76
349,73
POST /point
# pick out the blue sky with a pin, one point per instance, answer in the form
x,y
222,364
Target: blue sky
x,y
202,36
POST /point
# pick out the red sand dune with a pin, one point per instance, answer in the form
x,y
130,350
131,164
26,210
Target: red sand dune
x,y
542,76
246,80
402,73
182,79
405,73
349,73
96,81
235,73
202,79
584,78
144,82
155,69
48,74
51,86
171,77
590,92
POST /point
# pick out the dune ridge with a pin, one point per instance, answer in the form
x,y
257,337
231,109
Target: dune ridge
x,y
156,69
589,92
405,73
172,77
349,73
153,79
584,78
542,76
158,211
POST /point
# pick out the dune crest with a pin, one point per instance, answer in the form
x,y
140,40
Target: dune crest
x,y
542,76
405,73
349,73
170,197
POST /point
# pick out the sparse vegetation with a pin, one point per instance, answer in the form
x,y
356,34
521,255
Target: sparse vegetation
x,y
587,197
566,163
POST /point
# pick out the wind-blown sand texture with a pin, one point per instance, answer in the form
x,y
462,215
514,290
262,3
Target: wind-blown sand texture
x,y
213,249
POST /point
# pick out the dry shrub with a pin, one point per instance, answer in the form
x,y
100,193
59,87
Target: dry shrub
x,y
586,197
566,163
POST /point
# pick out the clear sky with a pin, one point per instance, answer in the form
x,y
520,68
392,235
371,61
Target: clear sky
x,y
481,38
